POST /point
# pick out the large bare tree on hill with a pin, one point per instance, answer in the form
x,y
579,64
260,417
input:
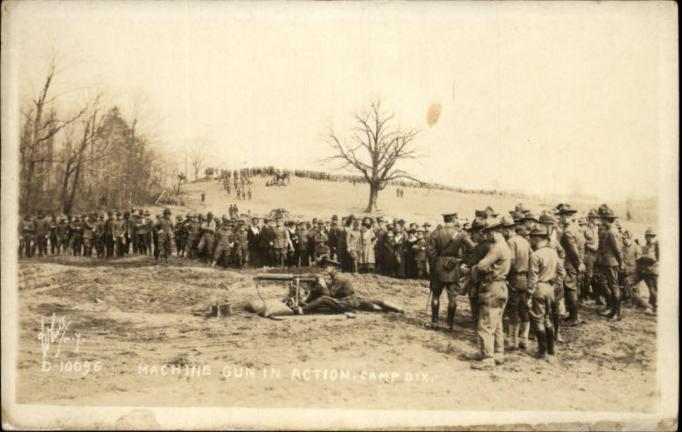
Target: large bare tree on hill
x,y
375,150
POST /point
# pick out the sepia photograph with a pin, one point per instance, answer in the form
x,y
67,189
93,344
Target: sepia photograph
x,y
340,215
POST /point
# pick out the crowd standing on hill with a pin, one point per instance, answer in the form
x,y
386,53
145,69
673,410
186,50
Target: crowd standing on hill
x,y
530,267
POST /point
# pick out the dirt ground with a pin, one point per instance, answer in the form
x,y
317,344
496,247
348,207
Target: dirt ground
x,y
129,336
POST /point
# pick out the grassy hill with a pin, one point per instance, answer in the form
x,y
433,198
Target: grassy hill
x,y
305,199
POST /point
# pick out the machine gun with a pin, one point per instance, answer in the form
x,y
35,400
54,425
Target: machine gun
x,y
294,295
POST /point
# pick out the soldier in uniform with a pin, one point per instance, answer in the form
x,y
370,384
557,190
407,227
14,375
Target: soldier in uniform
x,y
99,236
544,262
591,234
178,230
118,233
333,230
108,239
291,259
282,243
77,235
517,305
88,235
193,231
647,267
573,242
223,241
42,232
446,245
321,240
207,239
55,241
610,262
420,255
164,236
493,271
27,232
62,231
339,295
140,229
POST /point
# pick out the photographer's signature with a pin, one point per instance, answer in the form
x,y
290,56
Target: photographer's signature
x,y
53,335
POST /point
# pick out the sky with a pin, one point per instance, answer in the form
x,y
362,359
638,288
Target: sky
x,y
538,98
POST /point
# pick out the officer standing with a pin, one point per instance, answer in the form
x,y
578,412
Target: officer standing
x,y
610,262
445,246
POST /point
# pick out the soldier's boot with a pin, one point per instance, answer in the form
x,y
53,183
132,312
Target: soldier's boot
x,y
555,333
513,337
541,336
524,329
616,311
452,310
434,313
609,307
550,339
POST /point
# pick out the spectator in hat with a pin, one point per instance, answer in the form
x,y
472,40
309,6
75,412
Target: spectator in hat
x,y
367,244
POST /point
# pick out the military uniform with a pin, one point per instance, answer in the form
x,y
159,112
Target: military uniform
x,y
193,231
573,243
591,233
27,232
163,230
207,240
281,244
493,271
647,268
42,233
88,236
76,236
301,246
55,241
517,306
610,260
223,245
543,268
446,245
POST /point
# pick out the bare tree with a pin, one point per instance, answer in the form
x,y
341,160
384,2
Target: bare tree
x,y
76,154
375,149
41,126
198,156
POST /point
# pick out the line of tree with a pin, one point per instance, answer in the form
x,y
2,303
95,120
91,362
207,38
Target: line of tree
x,y
89,156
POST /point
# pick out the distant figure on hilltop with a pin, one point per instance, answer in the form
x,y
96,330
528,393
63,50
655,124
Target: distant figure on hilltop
x,y
203,197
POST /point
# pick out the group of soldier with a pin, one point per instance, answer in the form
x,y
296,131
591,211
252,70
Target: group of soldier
x,y
525,266
531,267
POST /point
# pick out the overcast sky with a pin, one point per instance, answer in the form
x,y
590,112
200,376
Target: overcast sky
x,y
535,97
